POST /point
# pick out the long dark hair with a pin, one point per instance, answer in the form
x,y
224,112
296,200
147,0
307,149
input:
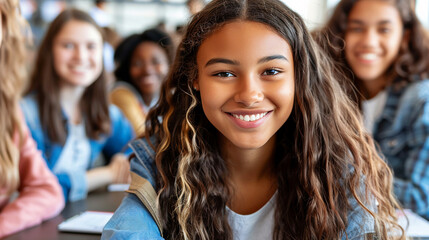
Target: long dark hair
x,y
322,150
412,62
45,83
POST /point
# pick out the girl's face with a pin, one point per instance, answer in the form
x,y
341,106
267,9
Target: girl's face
x,y
246,80
77,51
149,66
373,38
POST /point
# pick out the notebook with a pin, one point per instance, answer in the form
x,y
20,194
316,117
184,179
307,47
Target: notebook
x,y
418,227
86,222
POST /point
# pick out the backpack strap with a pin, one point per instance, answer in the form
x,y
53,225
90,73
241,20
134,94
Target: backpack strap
x,y
144,190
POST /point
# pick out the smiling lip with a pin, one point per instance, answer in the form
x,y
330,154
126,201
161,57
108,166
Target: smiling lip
x,y
249,120
79,70
147,80
367,57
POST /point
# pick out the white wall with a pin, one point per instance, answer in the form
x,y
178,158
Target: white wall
x,y
129,17
312,11
133,17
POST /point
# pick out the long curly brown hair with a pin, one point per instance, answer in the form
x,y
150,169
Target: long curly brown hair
x,y
412,62
12,73
323,155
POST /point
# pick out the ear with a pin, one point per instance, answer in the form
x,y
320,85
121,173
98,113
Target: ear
x,y
196,85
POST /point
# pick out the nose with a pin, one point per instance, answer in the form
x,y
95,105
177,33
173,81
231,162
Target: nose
x,y
147,68
370,38
81,53
249,91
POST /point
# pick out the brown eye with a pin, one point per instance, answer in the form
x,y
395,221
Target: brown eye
x,y
384,30
355,29
270,72
223,74
137,64
68,45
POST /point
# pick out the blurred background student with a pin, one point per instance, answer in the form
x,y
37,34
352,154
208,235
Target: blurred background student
x,y
383,50
194,6
67,108
99,14
143,62
22,168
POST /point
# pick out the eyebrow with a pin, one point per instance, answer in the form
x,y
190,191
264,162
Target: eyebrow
x,y
382,22
232,62
273,57
221,60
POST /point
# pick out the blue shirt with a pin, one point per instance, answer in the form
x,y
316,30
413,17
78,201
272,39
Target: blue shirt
x,y
132,220
402,132
73,182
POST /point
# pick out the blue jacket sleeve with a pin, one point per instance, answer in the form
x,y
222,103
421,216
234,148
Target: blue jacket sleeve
x,y
121,134
64,181
30,110
413,191
74,185
131,221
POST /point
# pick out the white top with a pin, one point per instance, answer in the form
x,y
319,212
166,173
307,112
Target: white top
x,y
372,109
255,226
76,152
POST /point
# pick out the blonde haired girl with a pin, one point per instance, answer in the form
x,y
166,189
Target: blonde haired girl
x,y
22,167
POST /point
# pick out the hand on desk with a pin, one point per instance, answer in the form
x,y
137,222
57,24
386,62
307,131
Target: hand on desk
x,y
120,169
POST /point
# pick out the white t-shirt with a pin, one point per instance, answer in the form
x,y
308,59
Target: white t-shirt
x,y
372,109
256,226
76,152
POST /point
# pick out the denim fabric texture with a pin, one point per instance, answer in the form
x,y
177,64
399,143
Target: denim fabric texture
x,y
402,133
74,181
132,220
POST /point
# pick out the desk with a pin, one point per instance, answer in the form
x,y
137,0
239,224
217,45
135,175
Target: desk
x,y
96,201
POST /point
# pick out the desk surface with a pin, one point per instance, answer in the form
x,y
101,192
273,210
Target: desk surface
x,y
96,201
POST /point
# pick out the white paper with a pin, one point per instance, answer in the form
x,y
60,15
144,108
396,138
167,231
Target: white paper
x,y
117,187
86,222
417,227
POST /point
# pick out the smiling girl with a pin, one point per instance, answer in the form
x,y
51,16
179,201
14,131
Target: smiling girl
x,y
384,51
143,63
67,110
257,140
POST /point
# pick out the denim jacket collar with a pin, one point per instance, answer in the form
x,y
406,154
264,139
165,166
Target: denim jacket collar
x,y
145,155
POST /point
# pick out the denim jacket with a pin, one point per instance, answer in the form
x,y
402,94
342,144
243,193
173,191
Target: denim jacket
x,y
402,132
74,182
140,224
132,220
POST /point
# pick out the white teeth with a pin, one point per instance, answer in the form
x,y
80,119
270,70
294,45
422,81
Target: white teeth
x,y
79,68
368,56
250,118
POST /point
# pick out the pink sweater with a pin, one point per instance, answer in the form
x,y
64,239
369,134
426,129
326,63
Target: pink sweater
x,y
40,195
